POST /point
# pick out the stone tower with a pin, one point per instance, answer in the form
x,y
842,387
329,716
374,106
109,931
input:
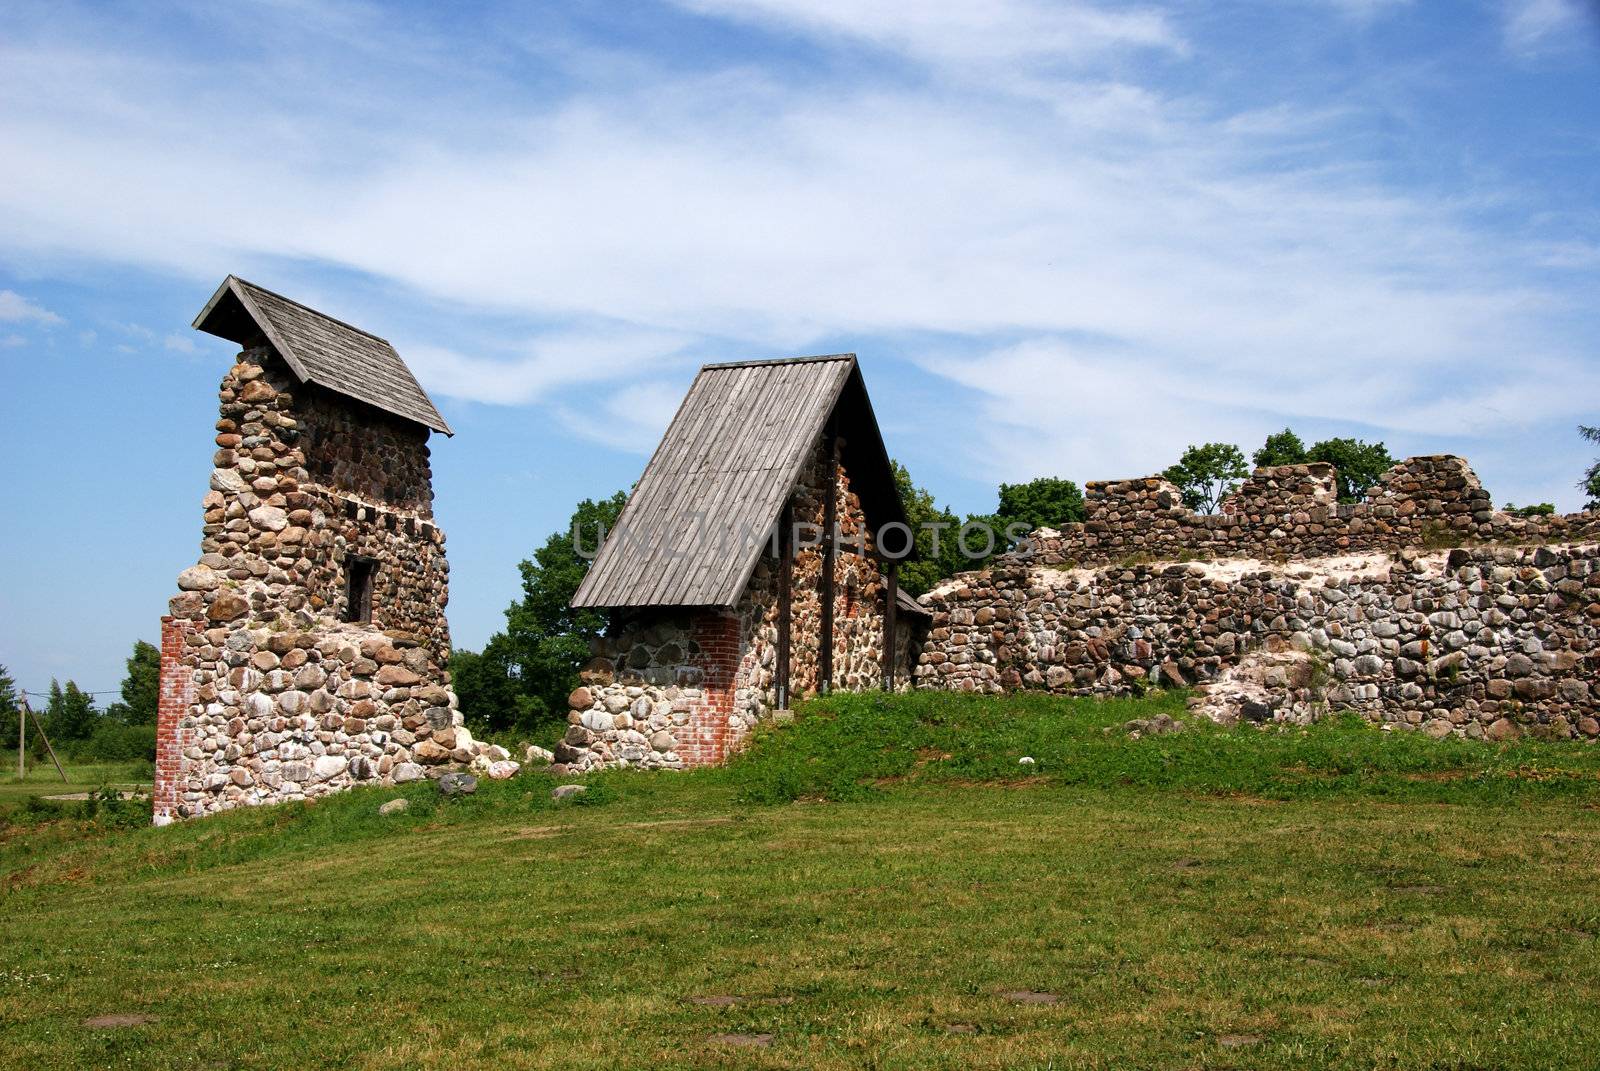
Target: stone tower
x,y
308,649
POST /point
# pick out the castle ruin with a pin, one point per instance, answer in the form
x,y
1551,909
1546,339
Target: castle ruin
x,y
1421,606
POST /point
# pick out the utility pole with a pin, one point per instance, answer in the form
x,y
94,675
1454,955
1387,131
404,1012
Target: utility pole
x,y
38,727
22,738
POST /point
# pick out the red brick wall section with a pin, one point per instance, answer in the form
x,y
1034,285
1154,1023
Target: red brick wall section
x,y
177,691
711,734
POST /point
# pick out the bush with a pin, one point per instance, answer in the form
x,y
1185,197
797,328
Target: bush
x,y
115,742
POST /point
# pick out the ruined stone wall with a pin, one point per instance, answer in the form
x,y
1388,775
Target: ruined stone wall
x,y
1292,511
1472,641
280,698
685,688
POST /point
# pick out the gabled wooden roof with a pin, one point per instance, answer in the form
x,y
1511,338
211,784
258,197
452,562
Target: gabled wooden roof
x,y
725,470
320,349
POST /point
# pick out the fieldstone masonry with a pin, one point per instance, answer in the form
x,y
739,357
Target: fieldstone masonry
x,y
267,692
1293,511
684,688
1421,606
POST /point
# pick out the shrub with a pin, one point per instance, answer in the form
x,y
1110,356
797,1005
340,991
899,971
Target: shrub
x,y
116,742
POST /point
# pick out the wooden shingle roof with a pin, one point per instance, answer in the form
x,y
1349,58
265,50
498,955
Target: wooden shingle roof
x,y
320,349
692,532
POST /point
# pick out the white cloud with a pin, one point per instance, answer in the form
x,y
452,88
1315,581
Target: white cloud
x,y
630,417
180,344
14,308
137,331
1112,271
993,33
1536,26
556,359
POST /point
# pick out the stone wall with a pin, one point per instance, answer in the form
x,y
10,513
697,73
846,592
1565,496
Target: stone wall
x,y
1472,641
685,687
1293,511
268,694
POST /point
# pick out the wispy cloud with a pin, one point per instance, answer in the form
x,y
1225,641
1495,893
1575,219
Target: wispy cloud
x,y
14,308
630,417
1533,27
990,34
548,362
1109,266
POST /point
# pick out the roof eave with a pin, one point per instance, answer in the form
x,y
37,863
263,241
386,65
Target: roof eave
x,y
230,287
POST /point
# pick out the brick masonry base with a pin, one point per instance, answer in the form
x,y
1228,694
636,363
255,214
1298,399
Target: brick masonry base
x,y
711,733
172,705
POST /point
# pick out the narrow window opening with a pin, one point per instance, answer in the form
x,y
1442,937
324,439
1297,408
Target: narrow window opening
x,y
358,590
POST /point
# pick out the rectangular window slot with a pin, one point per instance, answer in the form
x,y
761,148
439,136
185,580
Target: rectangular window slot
x,y
359,573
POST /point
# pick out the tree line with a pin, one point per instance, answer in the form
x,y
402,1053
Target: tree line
x,y
124,731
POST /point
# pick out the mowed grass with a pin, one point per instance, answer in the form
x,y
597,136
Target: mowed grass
x,y
1120,903
42,779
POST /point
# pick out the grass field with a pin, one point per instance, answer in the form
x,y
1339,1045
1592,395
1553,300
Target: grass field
x,y
43,780
874,886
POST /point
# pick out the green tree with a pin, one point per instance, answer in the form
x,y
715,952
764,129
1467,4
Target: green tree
x,y
1207,474
141,688
1047,502
1590,484
1281,448
938,553
1359,464
8,710
70,715
523,674
488,683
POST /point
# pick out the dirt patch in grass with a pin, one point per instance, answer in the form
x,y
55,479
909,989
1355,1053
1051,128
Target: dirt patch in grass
x,y
1031,996
118,1020
1239,1041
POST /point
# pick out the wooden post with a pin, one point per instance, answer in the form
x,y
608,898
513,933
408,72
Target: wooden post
x,y
22,738
890,632
830,521
785,603
38,727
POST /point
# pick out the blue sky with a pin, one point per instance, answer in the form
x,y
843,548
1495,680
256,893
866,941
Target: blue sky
x,y
1065,238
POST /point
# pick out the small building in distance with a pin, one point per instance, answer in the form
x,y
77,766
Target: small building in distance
x,y
745,569
308,649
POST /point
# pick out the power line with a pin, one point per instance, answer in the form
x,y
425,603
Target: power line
x,y
46,695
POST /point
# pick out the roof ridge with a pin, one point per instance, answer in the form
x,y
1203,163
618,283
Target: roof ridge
x,y
780,360
321,349
308,308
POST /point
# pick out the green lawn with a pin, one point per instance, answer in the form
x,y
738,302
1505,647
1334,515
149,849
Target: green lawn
x,y
1208,899
43,780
